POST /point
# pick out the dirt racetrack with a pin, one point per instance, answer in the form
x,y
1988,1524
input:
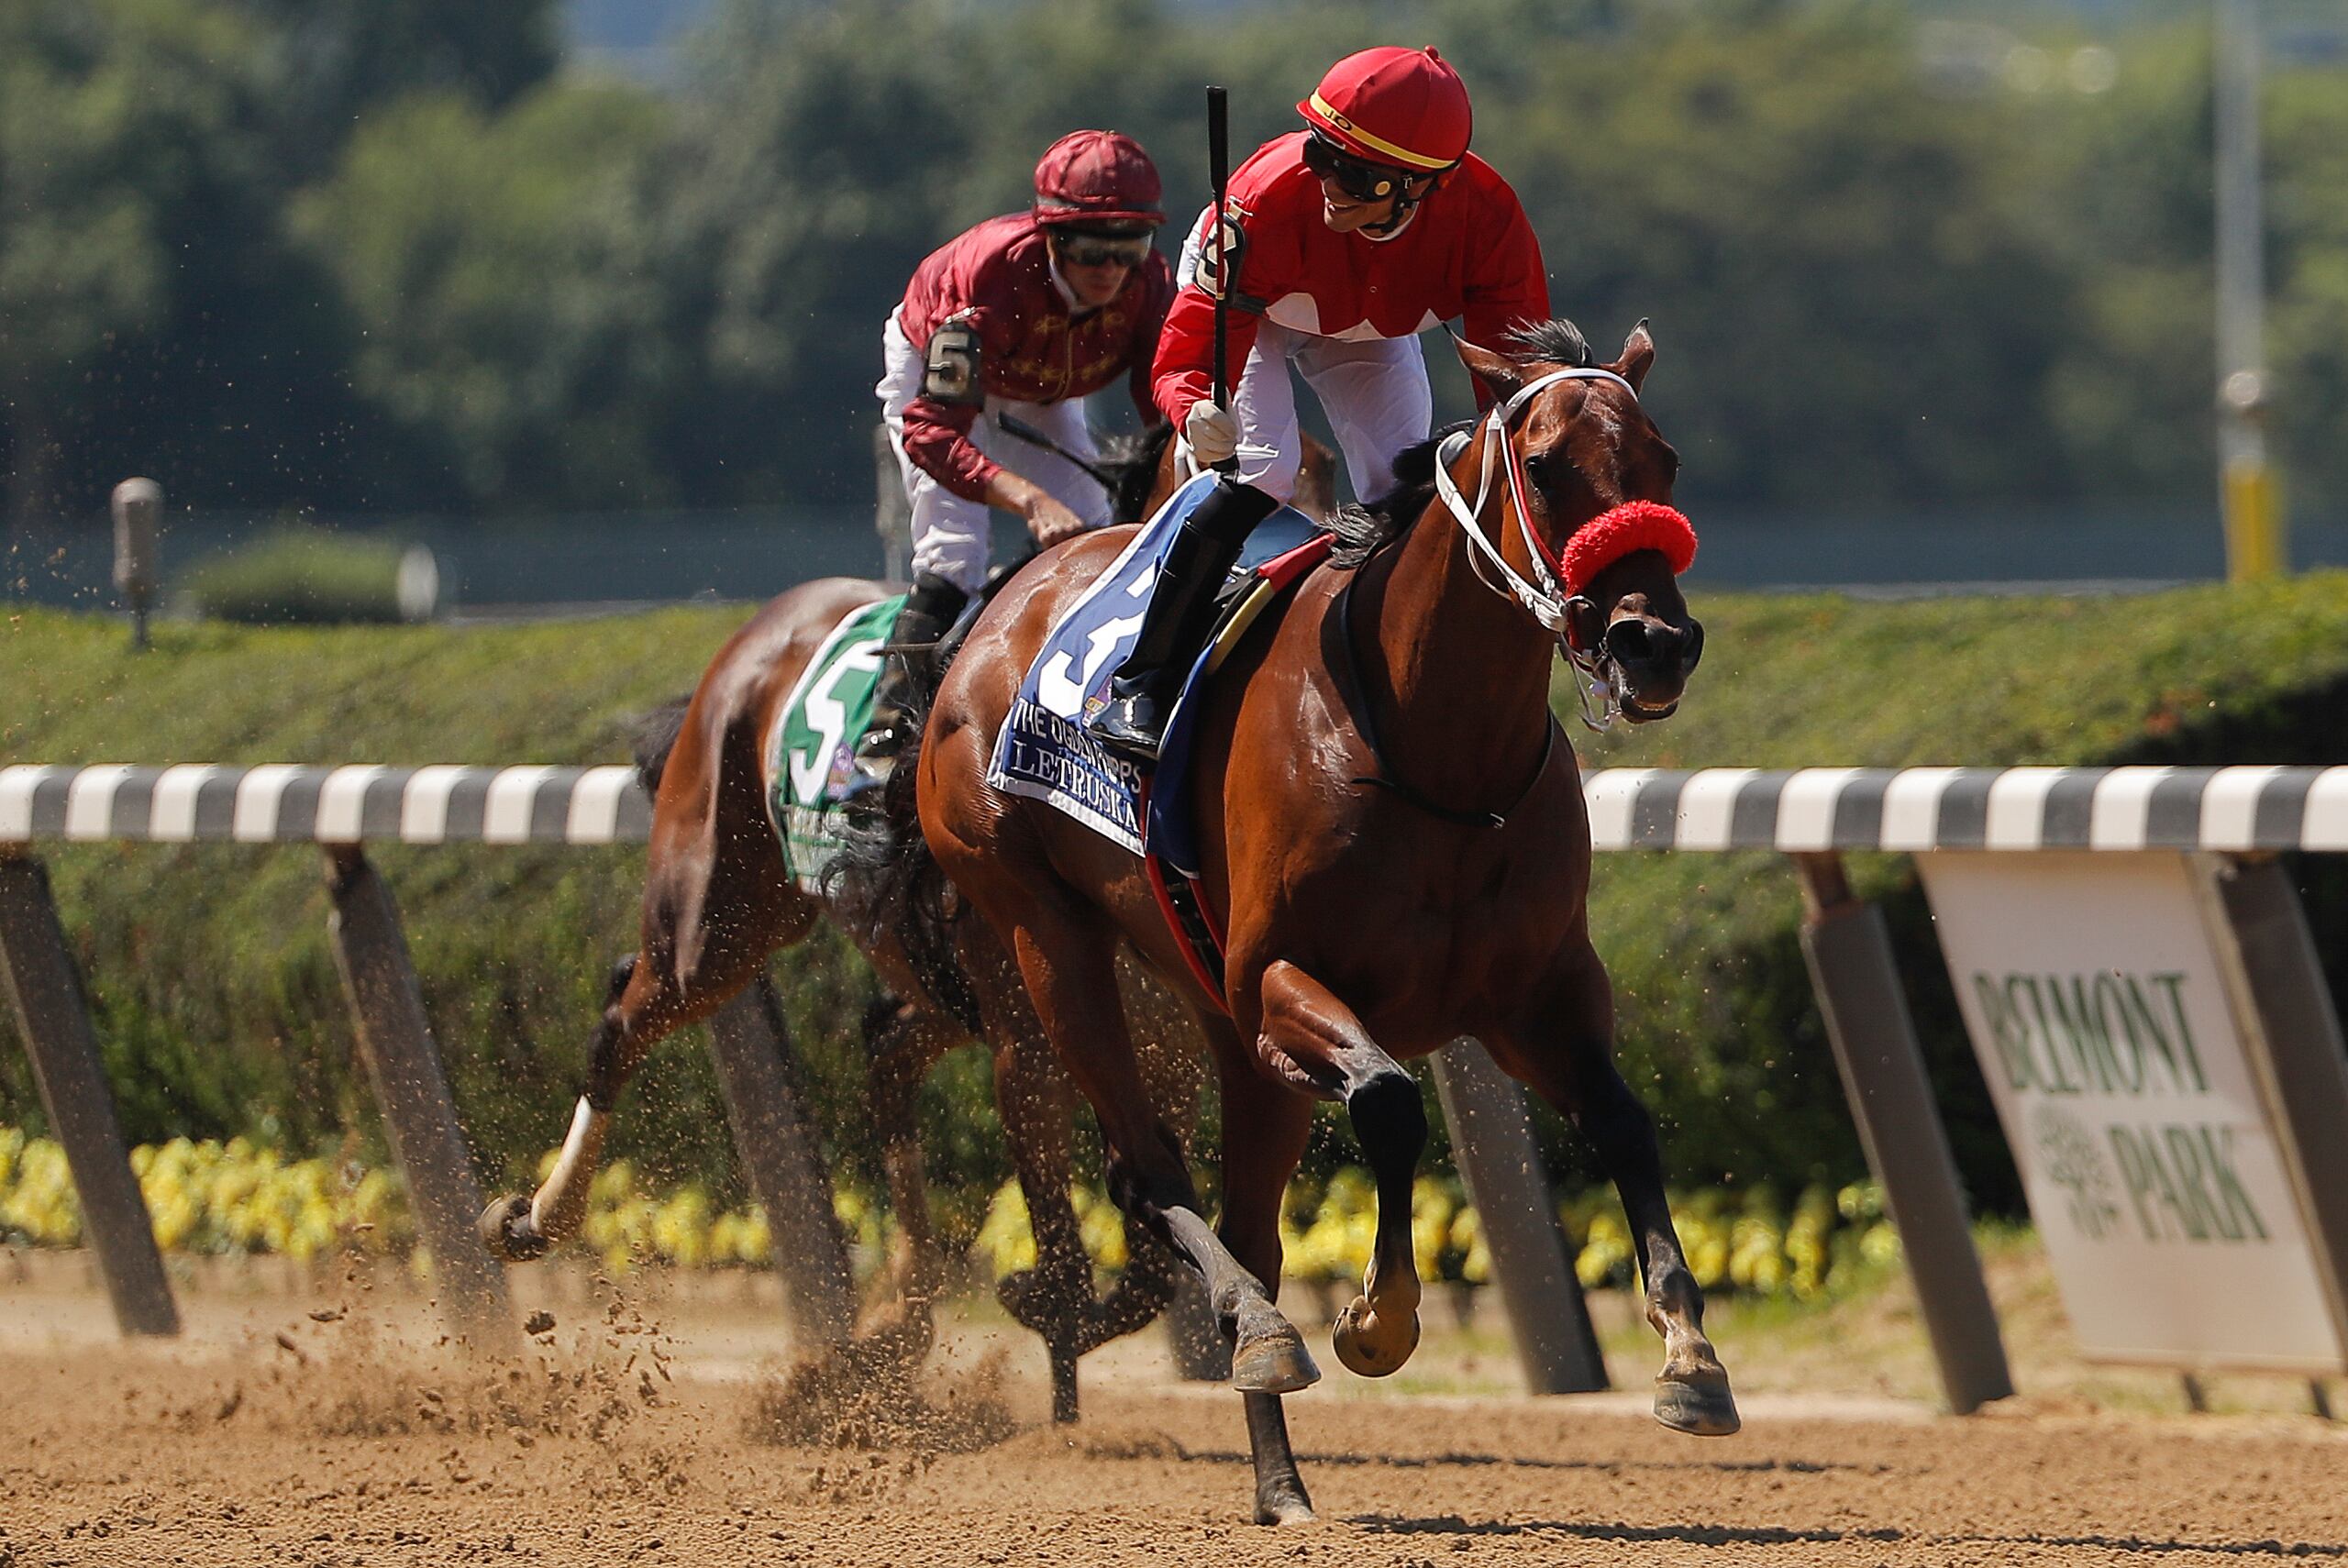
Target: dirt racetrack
x,y
334,1431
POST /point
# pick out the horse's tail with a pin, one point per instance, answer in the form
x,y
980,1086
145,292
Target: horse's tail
x,y
1132,461
887,875
654,736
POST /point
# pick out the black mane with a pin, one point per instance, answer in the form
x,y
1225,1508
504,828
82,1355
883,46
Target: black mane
x,y
1361,528
1132,461
1559,342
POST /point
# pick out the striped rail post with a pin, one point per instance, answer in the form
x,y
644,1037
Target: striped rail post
x,y
1848,949
55,1020
412,1087
1491,1139
1811,812
751,1045
337,809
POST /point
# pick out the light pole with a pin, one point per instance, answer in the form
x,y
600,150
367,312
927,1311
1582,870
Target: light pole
x,y
138,516
2257,545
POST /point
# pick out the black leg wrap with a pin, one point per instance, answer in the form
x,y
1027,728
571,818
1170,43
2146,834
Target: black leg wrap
x,y
911,668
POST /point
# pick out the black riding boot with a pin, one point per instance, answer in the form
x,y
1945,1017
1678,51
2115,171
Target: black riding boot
x,y
1182,612
909,670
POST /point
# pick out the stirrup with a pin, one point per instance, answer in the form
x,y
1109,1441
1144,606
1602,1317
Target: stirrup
x,y
1130,726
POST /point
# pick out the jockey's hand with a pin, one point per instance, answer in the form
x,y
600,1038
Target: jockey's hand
x,y
1050,522
1213,434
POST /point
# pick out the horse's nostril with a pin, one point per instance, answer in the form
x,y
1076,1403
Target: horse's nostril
x,y
1629,642
1694,652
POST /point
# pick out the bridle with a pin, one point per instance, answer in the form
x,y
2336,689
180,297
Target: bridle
x,y
1547,601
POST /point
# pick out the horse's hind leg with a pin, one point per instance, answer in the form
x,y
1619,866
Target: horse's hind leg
x,y
1066,959
902,1040
1577,1075
1318,1039
1055,1299
1051,1299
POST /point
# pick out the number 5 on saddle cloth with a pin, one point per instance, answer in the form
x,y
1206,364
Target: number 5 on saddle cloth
x,y
1044,751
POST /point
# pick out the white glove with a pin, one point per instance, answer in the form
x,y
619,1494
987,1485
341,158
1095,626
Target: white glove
x,y
1213,434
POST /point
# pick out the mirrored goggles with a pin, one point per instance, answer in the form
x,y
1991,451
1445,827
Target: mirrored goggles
x,y
1364,182
1082,249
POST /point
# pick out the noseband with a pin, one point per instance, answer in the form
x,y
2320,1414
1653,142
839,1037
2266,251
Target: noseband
x,y
1634,525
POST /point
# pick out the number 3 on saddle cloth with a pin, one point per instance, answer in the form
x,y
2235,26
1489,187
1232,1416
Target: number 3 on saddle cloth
x,y
1045,754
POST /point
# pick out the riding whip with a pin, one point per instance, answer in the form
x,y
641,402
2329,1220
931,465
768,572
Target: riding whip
x,y
1218,171
1014,426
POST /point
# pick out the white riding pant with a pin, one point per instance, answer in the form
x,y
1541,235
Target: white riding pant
x,y
1374,391
951,532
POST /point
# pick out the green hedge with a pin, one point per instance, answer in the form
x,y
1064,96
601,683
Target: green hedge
x,y
221,1014
301,576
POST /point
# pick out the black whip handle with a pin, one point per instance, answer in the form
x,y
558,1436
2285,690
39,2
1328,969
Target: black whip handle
x,y
1219,172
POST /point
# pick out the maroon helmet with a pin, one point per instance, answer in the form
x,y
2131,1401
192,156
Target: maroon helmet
x,y
1093,178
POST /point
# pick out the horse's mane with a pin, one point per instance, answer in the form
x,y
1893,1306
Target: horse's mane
x,y
1361,528
1132,461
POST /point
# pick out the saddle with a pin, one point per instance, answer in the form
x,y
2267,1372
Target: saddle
x,y
1044,752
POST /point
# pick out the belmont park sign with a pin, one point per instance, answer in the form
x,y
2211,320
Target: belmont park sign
x,y
2130,1078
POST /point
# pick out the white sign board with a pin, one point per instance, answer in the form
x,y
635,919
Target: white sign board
x,y
2096,1001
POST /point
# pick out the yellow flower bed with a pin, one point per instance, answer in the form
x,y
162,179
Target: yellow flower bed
x,y
234,1197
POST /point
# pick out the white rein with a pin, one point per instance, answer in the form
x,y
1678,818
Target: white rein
x,y
1546,602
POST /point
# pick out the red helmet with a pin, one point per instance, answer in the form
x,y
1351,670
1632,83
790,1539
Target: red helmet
x,y
1096,177
1403,107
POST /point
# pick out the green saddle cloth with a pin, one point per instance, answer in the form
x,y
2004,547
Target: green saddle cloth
x,y
811,752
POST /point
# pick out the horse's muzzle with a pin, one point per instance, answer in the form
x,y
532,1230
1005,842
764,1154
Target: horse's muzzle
x,y
1653,659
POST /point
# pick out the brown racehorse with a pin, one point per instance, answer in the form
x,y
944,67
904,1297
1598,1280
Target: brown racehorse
x,y
718,902
1398,852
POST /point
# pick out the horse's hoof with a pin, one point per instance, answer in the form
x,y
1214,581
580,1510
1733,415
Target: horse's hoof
x,y
1285,1507
1273,1362
1366,1354
1698,1403
505,1230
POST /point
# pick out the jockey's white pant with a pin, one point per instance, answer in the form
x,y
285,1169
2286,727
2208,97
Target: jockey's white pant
x,y
1374,391
951,532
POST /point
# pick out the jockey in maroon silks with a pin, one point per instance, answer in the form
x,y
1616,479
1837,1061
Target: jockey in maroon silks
x,y
1024,314
1347,239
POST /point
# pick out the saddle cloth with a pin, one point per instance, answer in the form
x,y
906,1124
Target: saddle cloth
x,y
1043,751
810,751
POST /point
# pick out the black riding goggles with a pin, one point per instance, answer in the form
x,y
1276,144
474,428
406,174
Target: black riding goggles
x,y
1361,180
1078,249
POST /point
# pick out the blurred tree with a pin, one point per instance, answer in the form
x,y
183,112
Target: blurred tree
x,y
496,265
126,146
330,63
1845,314
1873,280
810,172
2119,186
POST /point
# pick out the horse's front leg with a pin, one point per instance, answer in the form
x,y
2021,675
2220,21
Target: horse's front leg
x,y
1565,1050
684,969
1270,1123
1308,1033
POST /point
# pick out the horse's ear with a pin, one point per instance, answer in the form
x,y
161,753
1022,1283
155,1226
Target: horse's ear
x,y
1638,355
1500,376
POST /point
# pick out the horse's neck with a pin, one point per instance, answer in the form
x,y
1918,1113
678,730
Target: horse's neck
x,y
1458,674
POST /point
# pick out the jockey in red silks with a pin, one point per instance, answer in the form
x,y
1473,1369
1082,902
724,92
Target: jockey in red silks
x,y
1024,314
1345,240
